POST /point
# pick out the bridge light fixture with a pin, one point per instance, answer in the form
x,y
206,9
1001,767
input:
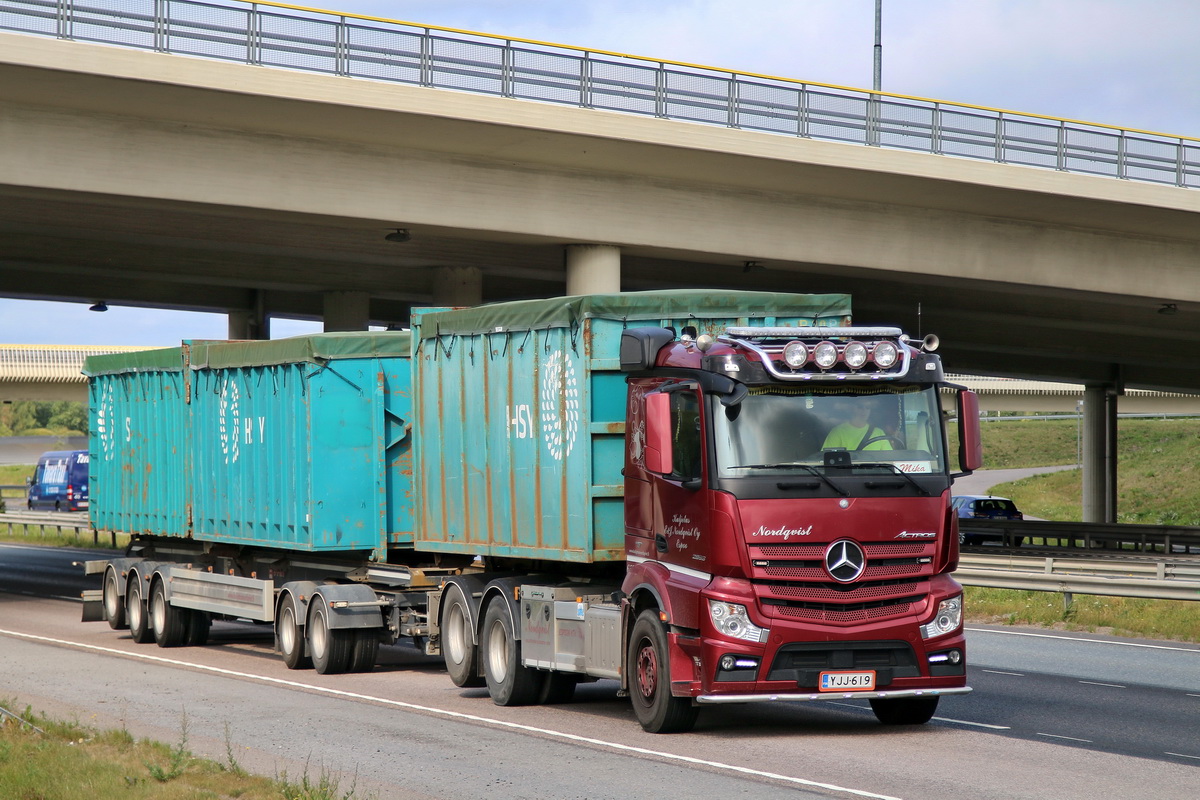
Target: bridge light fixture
x,y
1168,309
99,305
399,235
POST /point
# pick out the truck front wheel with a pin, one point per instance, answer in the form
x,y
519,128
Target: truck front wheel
x,y
458,644
905,710
649,671
509,683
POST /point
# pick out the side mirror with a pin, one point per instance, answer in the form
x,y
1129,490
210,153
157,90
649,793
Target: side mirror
x,y
659,454
970,442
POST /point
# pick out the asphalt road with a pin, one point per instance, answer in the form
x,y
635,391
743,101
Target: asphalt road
x,y
1053,716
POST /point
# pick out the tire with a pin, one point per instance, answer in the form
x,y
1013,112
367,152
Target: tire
x,y
459,650
648,671
330,648
289,635
558,687
114,604
196,626
135,612
509,683
166,621
365,650
905,710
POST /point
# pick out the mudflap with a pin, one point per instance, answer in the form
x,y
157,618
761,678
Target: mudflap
x,y
93,605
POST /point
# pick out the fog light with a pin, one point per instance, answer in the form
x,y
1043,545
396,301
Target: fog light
x,y
955,657
728,663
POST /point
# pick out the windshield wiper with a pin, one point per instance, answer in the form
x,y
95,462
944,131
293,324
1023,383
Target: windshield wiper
x,y
811,470
897,471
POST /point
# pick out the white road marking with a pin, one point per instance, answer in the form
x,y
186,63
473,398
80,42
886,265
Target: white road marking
x,y
1081,639
1002,672
1109,685
1068,738
974,724
1183,755
453,715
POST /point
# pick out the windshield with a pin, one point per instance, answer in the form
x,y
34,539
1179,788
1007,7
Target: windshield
x,y
831,430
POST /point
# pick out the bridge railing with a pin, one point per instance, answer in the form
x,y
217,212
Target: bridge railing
x,y
276,35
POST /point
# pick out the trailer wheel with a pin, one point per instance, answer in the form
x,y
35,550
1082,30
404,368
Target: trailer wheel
x,y
904,710
509,683
330,648
559,687
458,645
196,626
114,604
135,612
291,638
166,621
364,650
649,674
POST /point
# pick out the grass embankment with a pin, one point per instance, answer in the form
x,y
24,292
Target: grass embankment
x,y
46,759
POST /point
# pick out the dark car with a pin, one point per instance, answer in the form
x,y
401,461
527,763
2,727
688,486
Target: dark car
x,y
985,507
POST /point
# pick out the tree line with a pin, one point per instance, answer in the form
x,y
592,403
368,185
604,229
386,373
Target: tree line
x,y
35,418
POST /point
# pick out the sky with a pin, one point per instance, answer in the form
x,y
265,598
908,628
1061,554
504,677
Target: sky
x,y
1133,63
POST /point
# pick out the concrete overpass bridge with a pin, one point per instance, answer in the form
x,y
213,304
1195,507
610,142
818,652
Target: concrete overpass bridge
x,y
1034,247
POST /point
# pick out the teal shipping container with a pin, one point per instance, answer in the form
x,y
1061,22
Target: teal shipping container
x,y
520,414
301,444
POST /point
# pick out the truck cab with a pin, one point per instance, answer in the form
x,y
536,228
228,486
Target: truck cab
x,y
787,500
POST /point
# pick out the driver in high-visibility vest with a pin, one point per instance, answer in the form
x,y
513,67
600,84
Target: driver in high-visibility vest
x,y
857,432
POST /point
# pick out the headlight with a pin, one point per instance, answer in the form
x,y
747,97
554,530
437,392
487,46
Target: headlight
x,y
731,619
795,354
825,354
947,620
855,355
885,355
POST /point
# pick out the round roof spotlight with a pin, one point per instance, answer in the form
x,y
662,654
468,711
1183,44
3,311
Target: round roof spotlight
x,y
795,354
855,355
885,355
825,354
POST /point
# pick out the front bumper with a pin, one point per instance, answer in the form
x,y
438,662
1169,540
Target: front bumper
x,y
789,697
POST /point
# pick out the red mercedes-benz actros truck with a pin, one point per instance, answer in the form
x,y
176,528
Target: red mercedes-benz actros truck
x,y
708,497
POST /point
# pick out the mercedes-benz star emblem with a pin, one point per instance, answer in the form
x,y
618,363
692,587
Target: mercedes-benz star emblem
x,y
845,561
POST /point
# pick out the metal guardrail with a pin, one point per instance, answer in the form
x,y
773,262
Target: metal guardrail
x,y
292,37
1161,580
59,521
1090,535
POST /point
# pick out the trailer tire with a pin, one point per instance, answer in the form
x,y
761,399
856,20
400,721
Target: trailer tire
x,y
290,635
508,681
135,611
904,710
559,687
196,626
166,621
114,604
365,650
648,669
330,648
459,650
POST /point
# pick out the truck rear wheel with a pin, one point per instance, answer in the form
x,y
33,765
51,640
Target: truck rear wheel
x,y
135,612
649,671
458,644
114,604
509,683
166,621
290,636
331,648
364,651
905,710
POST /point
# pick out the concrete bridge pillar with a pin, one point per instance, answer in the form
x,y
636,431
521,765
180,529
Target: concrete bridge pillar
x,y
347,311
593,269
1100,454
457,286
248,324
